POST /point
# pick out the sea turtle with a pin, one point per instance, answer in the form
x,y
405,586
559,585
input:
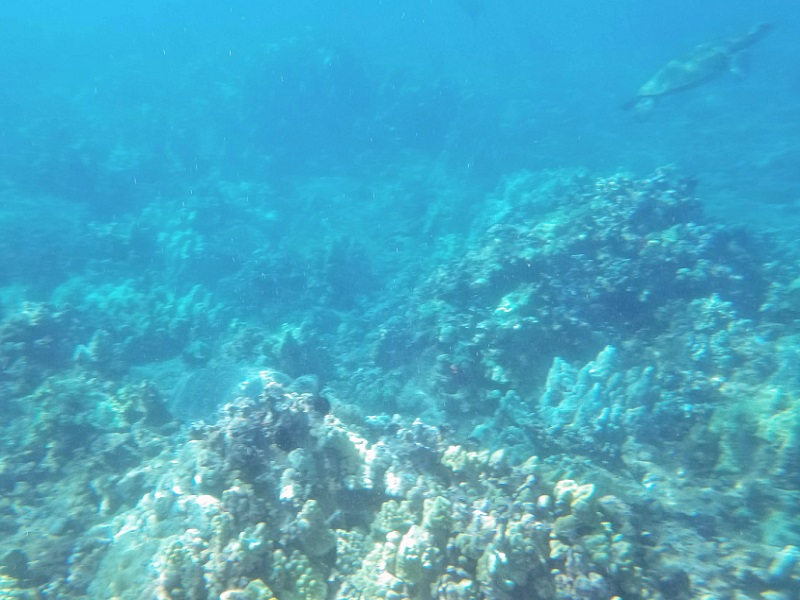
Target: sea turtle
x,y
705,62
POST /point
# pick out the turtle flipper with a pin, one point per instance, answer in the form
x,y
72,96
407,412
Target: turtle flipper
x,y
644,107
737,64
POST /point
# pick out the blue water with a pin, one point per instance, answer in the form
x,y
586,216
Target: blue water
x,y
356,194
163,94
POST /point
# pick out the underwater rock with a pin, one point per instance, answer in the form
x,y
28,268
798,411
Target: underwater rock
x,y
605,261
140,324
418,558
200,393
313,533
214,519
469,525
573,399
592,410
298,352
294,576
35,340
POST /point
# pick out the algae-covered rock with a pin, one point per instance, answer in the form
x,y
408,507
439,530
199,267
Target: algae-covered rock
x,y
294,577
418,558
351,548
393,516
436,517
258,590
467,462
313,532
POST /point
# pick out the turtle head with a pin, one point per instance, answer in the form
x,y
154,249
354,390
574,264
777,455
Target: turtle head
x,y
756,32
759,30
643,107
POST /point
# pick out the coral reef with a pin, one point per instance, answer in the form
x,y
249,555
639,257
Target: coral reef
x,y
594,396
278,498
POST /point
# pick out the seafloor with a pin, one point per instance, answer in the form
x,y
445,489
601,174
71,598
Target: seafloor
x,y
588,390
